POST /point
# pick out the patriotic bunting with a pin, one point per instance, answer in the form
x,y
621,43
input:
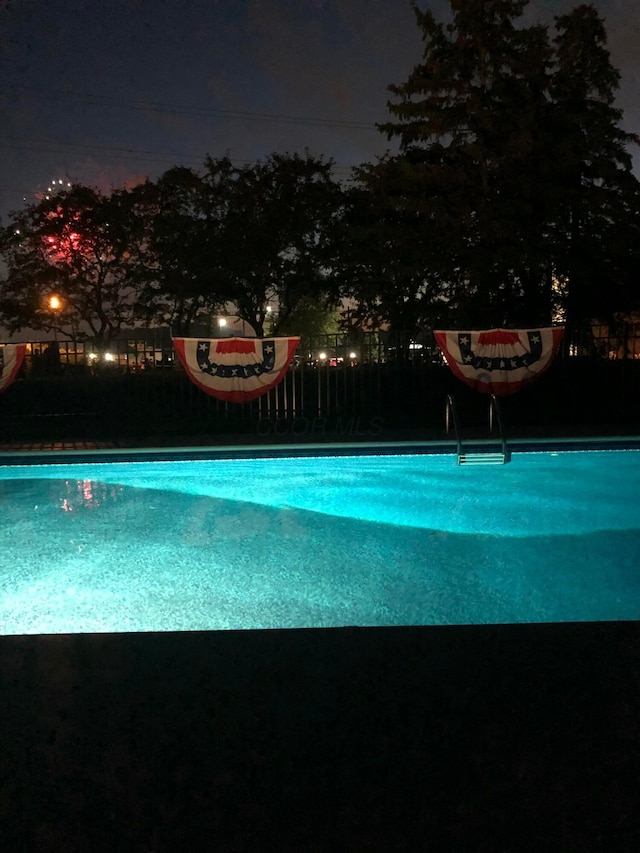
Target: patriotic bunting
x,y
11,356
499,361
236,370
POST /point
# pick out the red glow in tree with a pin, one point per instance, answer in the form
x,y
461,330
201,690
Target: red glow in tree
x,y
77,244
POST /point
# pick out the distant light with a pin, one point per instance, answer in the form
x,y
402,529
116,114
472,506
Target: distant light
x,y
54,303
222,321
93,356
352,355
109,356
322,356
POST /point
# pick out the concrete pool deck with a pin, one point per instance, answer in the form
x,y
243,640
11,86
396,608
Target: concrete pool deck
x,y
481,738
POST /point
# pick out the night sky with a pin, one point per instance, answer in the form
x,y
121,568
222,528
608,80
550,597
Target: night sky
x,y
108,92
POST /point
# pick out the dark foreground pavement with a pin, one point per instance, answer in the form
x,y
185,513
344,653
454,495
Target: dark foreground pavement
x,y
496,738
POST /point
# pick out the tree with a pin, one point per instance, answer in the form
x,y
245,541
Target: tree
x,y
393,259
76,245
176,249
278,234
480,198
310,318
468,121
180,270
597,235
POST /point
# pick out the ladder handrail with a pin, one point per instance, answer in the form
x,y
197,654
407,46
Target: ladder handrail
x,y
451,416
495,414
494,409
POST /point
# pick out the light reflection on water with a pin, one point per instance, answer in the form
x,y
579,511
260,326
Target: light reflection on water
x,y
88,494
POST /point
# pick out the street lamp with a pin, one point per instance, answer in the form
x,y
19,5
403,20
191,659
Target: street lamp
x,y
271,316
55,304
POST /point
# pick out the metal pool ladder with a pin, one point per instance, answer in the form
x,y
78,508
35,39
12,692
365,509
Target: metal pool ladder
x,y
476,456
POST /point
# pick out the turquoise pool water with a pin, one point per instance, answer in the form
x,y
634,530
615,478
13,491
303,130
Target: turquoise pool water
x,y
319,542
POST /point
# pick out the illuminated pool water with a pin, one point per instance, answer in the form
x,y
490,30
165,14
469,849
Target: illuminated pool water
x,y
319,542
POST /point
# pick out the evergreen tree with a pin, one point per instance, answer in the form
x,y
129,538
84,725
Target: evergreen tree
x,y
597,236
515,179
469,121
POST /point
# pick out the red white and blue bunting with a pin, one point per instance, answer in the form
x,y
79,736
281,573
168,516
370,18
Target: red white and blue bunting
x,y
11,356
236,370
499,361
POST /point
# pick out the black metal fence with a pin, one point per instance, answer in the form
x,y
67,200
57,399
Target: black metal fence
x,y
368,386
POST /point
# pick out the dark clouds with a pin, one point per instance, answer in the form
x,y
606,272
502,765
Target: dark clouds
x,y
106,92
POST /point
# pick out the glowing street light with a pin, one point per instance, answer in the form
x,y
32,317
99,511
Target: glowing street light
x,y
55,304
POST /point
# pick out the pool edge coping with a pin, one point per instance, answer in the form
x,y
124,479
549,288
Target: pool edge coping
x,y
275,451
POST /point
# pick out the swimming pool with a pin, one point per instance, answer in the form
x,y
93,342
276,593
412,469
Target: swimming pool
x,y
319,541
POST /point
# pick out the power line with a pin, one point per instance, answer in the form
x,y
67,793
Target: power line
x,y
142,105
